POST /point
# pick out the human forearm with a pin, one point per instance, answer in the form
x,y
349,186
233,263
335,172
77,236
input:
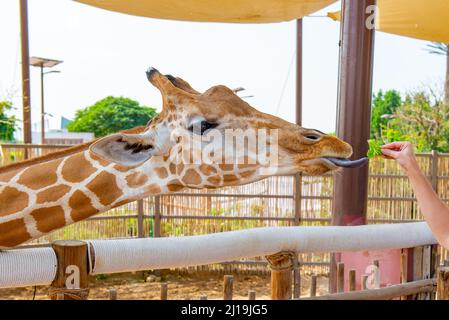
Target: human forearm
x,y
434,210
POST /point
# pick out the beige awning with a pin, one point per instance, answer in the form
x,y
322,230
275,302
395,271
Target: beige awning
x,y
240,11
420,19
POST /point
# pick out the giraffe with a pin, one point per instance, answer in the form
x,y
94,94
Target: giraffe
x,y
49,192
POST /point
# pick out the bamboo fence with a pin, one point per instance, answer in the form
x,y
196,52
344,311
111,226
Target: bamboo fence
x,y
275,201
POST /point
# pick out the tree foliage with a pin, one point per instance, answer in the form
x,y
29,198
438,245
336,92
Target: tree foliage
x,y
110,115
384,104
7,123
424,120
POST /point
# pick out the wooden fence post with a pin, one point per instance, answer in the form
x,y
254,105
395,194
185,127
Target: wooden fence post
x,y
251,295
443,283
157,217
71,279
313,284
434,171
296,277
340,277
164,291
297,198
113,294
140,216
281,265
352,275
228,282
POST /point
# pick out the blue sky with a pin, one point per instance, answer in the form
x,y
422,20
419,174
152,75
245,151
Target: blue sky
x,y
106,53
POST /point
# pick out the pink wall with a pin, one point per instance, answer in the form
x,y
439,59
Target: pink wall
x,y
389,262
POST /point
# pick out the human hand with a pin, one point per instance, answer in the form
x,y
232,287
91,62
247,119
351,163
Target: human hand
x,y
402,152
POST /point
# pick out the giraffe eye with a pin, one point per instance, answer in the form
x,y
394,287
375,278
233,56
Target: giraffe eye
x,y
202,127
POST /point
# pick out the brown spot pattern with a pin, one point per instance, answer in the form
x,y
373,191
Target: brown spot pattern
x,y
121,168
214,179
101,161
246,174
105,187
191,177
161,172
153,189
174,185
52,193
136,179
12,200
229,178
7,176
172,168
13,233
81,206
227,167
48,219
207,169
77,168
40,175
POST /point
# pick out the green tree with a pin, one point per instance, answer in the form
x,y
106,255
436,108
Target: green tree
x,y
110,115
7,123
424,120
383,104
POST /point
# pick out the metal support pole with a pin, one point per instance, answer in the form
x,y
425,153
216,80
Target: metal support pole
x,y
353,114
26,99
299,72
42,107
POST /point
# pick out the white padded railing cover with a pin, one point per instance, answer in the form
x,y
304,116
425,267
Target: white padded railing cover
x,y
26,267
37,266
156,253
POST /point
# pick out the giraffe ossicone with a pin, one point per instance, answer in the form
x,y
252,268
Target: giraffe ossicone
x,y
205,139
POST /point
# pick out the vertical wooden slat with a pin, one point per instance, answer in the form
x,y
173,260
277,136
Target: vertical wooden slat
x,y
113,294
157,217
313,284
352,275
140,214
251,295
443,283
340,277
426,268
296,277
434,171
298,195
164,291
228,283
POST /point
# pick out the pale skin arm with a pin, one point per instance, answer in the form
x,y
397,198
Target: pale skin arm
x,y
434,210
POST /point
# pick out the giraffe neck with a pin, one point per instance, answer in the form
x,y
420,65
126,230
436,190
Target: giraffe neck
x,y
48,195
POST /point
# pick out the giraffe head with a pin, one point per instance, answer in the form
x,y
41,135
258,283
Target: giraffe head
x,y
214,139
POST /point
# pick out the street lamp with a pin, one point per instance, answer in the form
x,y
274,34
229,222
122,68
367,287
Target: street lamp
x,y
43,63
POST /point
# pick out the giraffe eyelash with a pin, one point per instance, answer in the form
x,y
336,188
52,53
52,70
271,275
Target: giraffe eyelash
x,y
203,126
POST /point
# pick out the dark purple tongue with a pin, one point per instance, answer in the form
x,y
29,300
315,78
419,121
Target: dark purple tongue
x,y
345,163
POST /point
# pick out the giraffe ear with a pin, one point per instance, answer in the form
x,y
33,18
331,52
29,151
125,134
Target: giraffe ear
x,y
124,149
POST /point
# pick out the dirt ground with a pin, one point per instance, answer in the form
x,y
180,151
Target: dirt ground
x,y
190,287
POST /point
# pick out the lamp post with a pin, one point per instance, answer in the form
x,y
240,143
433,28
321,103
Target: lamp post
x,y
43,63
388,117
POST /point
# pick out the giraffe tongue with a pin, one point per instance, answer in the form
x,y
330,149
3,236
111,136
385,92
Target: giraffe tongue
x,y
345,163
